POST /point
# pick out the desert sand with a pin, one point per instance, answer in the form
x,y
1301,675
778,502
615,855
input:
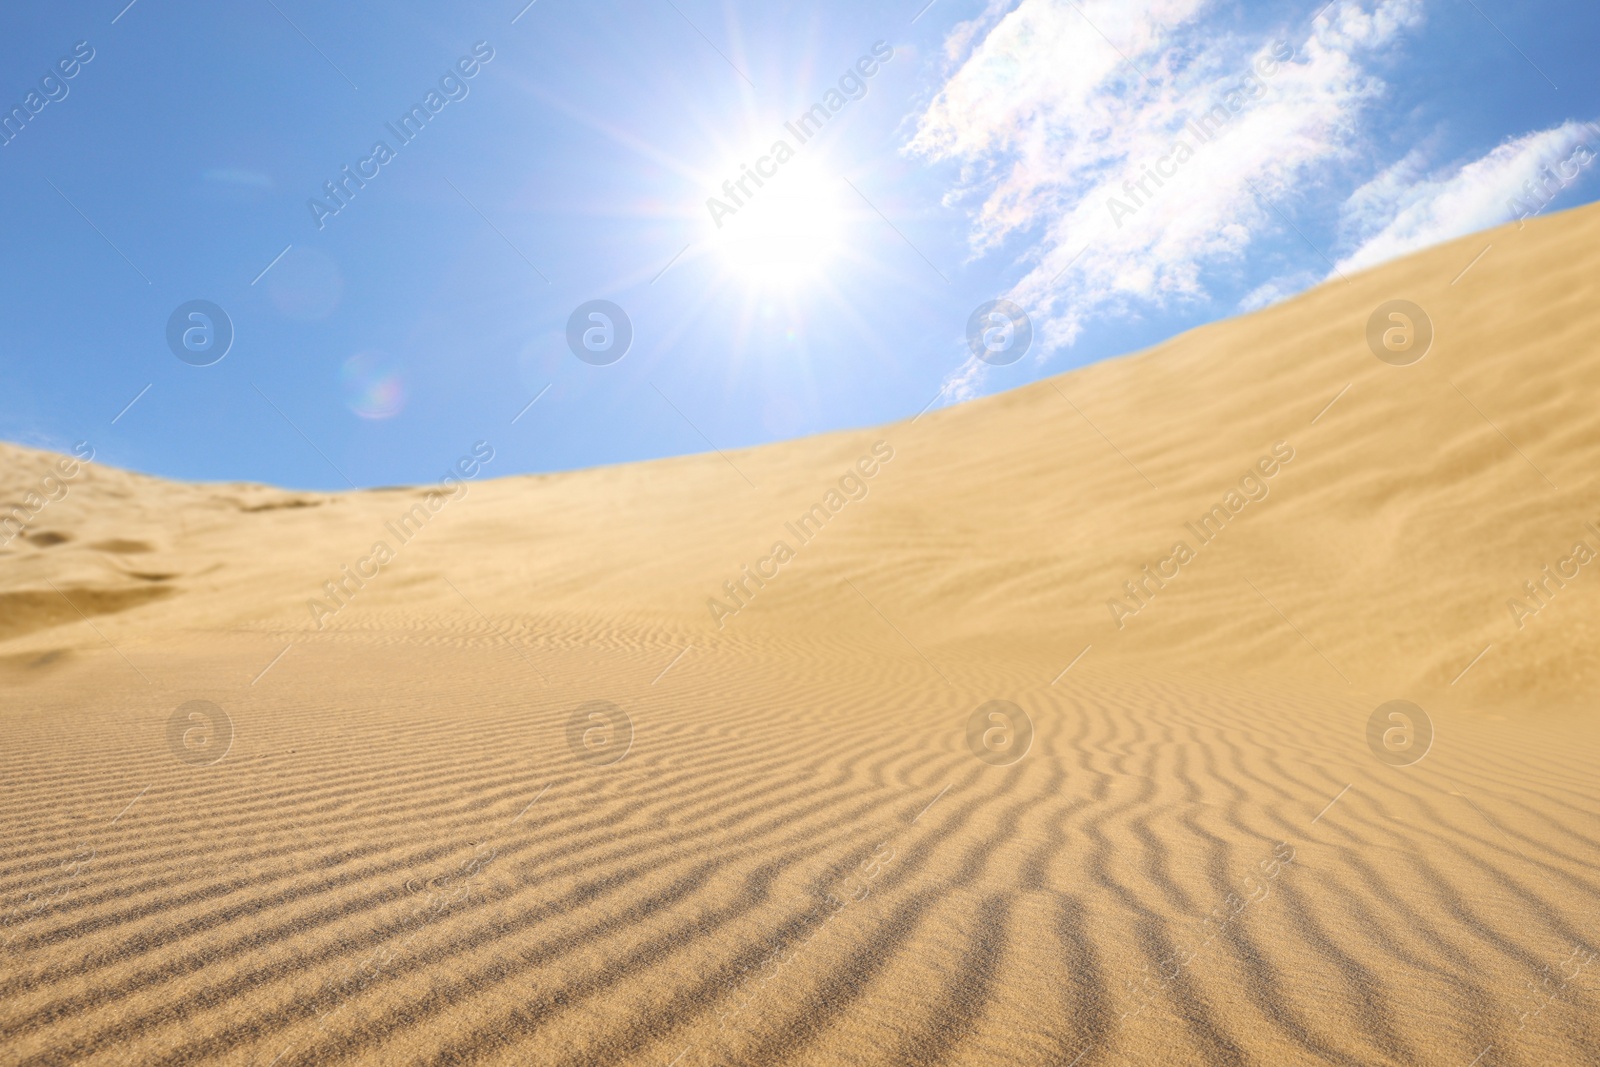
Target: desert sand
x,y
526,796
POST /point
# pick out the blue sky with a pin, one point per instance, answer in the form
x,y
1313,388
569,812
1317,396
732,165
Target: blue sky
x,y
575,163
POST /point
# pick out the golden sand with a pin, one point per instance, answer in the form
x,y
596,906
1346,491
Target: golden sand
x,y
524,796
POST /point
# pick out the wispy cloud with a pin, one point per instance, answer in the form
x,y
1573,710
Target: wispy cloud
x,y
1276,289
1406,207
1060,111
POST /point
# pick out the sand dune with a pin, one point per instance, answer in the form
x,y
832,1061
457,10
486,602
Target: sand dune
x,y
553,779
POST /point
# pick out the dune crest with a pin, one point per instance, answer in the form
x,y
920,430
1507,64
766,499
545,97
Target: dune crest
x,y
1231,702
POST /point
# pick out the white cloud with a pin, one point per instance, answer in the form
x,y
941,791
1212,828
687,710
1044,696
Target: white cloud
x,y
960,38
1276,289
1404,209
1049,122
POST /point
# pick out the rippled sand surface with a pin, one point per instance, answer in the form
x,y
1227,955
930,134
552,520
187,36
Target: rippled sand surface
x,y
523,794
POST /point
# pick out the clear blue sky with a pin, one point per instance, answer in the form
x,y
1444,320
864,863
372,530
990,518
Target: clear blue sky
x,y
178,162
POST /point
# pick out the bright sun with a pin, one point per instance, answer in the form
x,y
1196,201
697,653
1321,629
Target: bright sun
x,y
786,231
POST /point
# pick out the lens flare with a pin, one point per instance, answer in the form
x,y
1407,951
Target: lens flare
x,y
373,388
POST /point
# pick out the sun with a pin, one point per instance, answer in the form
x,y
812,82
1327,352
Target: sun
x,y
786,231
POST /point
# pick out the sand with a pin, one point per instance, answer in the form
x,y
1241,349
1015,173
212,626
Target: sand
x,y
525,796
